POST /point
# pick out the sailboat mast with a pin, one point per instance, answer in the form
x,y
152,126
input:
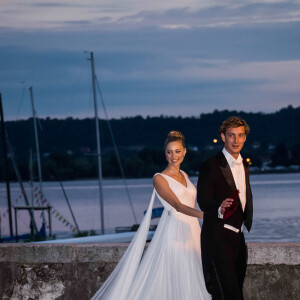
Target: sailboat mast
x,y
36,141
19,178
98,144
37,149
6,169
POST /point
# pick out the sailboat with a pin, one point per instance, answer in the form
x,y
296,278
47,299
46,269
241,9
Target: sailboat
x,y
123,234
95,84
43,231
33,227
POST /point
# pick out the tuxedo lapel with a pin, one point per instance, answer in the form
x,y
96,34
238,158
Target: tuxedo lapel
x,y
223,164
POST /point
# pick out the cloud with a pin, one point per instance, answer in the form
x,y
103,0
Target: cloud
x,y
175,26
158,57
221,15
130,13
50,5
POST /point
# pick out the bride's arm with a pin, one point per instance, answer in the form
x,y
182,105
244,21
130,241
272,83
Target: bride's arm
x,y
162,187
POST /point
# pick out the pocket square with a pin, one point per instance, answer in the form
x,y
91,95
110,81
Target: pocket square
x,y
229,211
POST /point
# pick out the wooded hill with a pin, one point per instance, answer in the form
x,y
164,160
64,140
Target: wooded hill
x,y
65,143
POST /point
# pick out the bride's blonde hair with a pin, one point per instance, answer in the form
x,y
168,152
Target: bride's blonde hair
x,y
175,136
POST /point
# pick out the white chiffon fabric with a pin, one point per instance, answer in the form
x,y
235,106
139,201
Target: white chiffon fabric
x,y
171,268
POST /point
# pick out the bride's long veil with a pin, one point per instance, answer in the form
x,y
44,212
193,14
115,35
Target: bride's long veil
x,y
119,282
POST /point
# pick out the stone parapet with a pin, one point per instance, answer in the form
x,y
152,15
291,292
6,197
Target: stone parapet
x,y
76,271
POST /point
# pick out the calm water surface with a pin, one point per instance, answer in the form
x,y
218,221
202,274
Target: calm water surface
x,y
276,206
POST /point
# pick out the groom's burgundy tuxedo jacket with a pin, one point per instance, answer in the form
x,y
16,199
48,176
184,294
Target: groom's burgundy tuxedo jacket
x,y
215,184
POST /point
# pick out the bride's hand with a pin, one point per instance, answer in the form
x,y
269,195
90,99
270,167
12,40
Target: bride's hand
x,y
201,215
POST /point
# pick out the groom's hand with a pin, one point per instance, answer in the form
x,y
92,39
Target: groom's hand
x,y
226,203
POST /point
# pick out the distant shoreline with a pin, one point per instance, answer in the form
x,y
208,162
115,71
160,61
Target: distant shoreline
x,y
254,172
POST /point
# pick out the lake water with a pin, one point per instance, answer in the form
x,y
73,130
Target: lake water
x,y
276,206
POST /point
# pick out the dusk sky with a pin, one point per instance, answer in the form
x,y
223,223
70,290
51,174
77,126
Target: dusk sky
x,y
151,57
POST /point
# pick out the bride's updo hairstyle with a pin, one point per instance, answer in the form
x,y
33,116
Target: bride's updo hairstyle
x,y
175,136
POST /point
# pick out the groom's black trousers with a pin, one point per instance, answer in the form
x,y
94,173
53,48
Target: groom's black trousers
x,y
225,271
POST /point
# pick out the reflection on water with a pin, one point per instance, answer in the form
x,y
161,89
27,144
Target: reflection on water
x,y
276,206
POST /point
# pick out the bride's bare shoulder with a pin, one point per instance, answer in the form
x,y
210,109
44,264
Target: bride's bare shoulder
x,y
159,179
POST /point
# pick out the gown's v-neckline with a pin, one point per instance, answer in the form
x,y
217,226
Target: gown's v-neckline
x,y
186,183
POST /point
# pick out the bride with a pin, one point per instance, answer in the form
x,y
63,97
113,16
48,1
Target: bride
x,y
171,268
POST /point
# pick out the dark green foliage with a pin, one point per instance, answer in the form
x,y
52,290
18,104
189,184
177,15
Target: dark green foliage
x,y
280,156
68,146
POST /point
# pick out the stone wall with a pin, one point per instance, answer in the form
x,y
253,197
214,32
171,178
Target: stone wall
x,y
76,271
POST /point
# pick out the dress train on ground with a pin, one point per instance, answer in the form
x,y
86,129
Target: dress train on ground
x,y
171,268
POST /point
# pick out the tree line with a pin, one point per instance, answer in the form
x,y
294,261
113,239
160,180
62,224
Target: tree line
x,y
68,146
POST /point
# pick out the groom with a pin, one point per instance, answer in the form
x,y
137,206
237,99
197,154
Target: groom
x,y
224,252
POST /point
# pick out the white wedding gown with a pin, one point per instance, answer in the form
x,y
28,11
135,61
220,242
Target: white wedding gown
x,y
171,268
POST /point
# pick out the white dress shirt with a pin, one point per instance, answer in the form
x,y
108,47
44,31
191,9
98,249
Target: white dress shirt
x,y
238,172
